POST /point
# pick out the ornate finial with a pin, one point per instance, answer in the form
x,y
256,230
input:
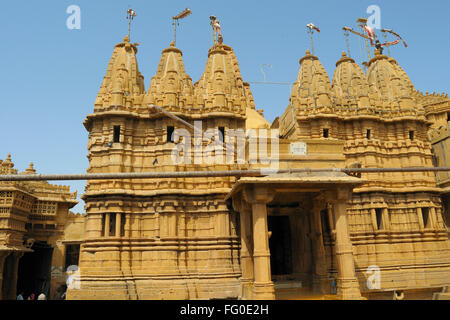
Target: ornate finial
x,y
172,44
30,169
8,163
344,58
131,14
307,53
311,28
175,23
126,39
215,25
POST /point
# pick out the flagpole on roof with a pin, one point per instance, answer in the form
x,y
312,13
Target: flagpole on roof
x,y
347,34
362,23
131,14
175,23
311,27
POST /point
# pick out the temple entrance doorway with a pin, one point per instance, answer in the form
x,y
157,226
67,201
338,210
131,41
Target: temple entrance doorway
x,y
35,270
280,245
292,258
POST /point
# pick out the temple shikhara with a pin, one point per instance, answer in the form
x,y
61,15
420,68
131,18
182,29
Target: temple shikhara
x,y
278,235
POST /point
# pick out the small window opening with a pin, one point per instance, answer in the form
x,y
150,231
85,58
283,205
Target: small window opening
x,y
122,225
425,216
411,135
170,134
368,134
222,134
112,224
103,223
325,133
448,116
379,215
116,133
72,255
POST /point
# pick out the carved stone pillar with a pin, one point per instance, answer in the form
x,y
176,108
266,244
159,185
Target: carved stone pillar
x,y
263,287
118,224
347,283
107,225
246,254
320,267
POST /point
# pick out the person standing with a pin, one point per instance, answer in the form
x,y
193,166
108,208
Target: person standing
x,y
42,296
20,296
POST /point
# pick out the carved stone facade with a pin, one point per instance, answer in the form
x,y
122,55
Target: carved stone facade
x,y
34,220
161,238
248,238
395,219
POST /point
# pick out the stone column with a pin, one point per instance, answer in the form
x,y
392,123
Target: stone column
x,y
347,283
246,254
106,225
320,267
433,218
386,222
118,224
420,216
263,287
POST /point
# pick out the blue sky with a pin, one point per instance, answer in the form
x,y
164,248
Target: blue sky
x,y
50,75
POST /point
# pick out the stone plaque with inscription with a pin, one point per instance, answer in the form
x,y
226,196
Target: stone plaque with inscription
x,y
298,148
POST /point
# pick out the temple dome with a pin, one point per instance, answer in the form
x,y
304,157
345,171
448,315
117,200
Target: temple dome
x,y
312,87
349,81
387,80
122,81
350,86
221,86
171,87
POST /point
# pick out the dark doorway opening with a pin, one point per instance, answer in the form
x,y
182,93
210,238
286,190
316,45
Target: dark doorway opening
x,y
280,245
35,270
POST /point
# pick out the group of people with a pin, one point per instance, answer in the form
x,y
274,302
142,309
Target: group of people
x,y
59,294
32,296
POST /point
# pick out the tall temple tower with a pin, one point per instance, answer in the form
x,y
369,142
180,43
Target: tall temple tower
x,y
395,219
162,238
223,237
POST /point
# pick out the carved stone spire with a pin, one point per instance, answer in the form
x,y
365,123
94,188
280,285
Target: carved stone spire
x,y
390,84
350,86
221,87
312,88
171,87
123,84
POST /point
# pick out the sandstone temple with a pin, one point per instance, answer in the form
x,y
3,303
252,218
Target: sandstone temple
x,y
374,235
